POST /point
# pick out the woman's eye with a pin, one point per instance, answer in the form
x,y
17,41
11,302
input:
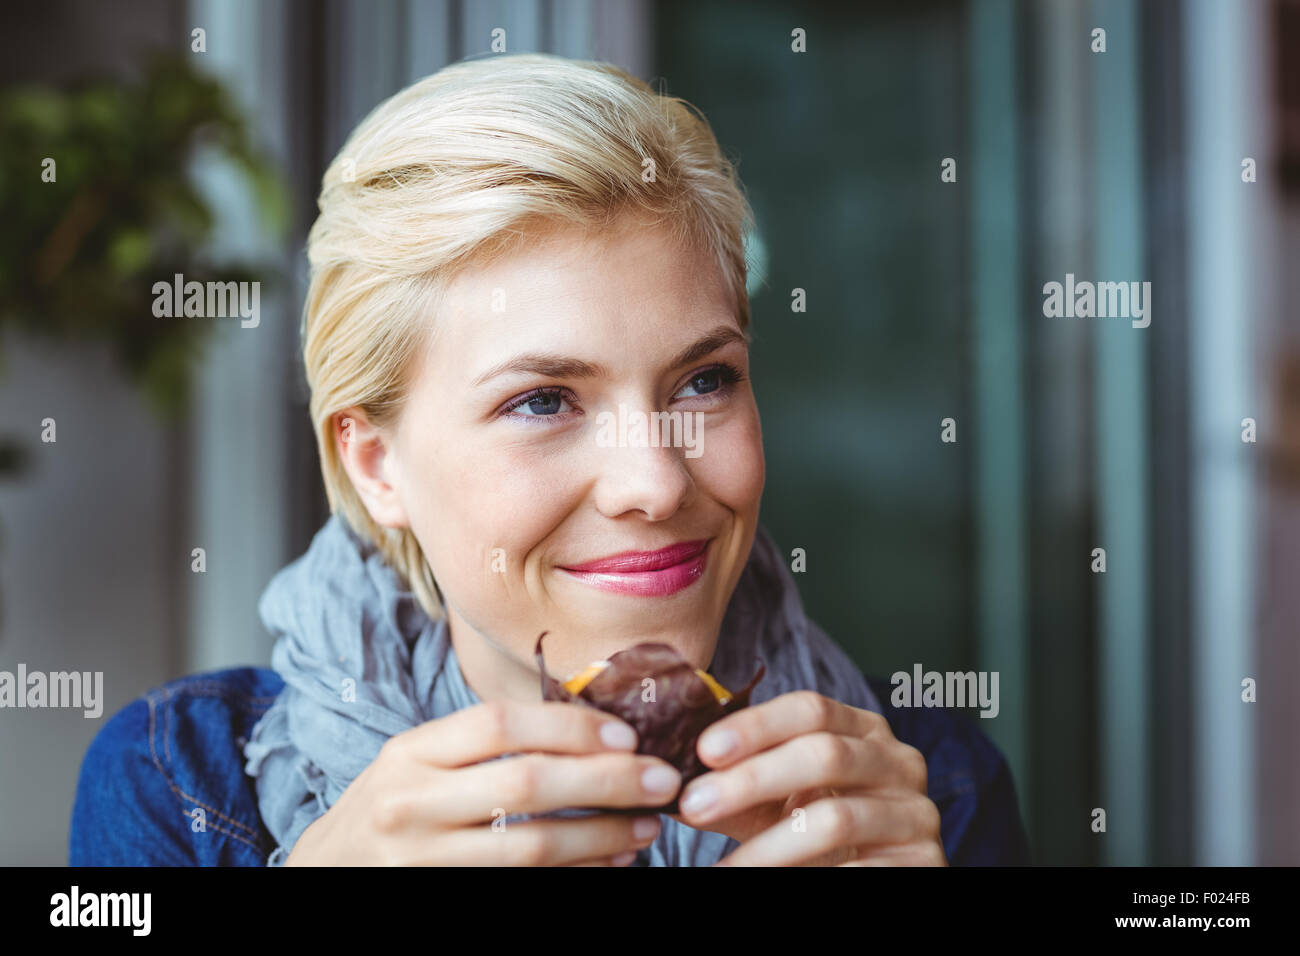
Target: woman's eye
x,y
542,403
714,379
553,402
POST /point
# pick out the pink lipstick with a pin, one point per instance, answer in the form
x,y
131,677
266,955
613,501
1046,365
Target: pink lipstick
x,y
646,573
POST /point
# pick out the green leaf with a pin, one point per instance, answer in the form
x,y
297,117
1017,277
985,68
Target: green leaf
x,y
129,251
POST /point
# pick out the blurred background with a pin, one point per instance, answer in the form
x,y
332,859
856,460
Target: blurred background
x,y
202,153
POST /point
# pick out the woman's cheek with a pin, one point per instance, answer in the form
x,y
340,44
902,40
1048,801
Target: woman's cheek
x,y
502,505
731,469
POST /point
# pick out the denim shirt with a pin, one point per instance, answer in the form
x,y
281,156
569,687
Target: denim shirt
x,y
163,782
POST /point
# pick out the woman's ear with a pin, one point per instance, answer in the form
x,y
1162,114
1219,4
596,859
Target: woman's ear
x,y
368,458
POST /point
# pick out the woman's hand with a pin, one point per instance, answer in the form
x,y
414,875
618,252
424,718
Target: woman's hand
x,y
809,781
428,800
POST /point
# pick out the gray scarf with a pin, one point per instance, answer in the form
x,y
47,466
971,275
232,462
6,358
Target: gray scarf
x,y
344,621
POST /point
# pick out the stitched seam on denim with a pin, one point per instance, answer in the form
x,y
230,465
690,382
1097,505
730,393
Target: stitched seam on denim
x,y
230,833
212,690
180,794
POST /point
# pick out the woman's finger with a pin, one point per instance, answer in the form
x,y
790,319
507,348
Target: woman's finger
x,y
772,722
593,840
835,822
541,783
499,727
923,854
809,762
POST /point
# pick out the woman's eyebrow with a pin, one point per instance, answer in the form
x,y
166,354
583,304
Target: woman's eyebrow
x,y
551,365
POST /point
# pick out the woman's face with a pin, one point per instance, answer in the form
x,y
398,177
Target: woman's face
x,y
517,456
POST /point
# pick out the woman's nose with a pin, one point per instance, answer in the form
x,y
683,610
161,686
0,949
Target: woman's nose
x,y
644,476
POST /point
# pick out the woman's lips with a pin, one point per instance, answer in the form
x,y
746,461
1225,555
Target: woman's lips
x,y
647,573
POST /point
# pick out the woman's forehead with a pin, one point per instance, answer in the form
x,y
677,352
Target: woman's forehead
x,y
578,291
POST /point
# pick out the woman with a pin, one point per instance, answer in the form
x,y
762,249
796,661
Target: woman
x,y
512,255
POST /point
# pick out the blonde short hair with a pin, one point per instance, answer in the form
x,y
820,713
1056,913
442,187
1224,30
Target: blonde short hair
x,y
455,167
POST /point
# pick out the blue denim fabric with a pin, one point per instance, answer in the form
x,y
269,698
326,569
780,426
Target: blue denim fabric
x,y
163,782
177,749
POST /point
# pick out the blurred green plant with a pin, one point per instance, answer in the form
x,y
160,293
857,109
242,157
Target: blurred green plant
x,y
79,255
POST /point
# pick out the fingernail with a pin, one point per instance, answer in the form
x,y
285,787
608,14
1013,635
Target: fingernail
x,y
701,798
623,859
645,828
661,780
617,736
719,743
